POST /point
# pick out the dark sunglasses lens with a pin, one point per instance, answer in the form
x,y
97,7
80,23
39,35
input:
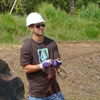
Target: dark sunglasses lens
x,y
43,25
39,25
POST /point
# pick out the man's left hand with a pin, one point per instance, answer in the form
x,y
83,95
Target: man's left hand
x,y
57,62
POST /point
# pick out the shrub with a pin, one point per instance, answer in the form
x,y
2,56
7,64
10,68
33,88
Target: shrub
x,y
91,12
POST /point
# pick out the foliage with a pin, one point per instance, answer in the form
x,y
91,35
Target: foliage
x,y
11,28
80,3
92,11
26,6
62,4
31,5
5,5
60,26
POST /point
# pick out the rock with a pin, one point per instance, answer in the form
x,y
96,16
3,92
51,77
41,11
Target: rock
x,y
11,87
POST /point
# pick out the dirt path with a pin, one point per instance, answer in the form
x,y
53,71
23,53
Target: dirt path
x,y
81,62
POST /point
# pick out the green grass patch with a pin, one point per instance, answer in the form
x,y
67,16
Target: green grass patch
x,y
60,26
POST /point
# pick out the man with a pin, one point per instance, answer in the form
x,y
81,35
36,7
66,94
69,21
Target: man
x,y
37,57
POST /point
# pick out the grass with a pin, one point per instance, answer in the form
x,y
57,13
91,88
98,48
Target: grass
x,y
11,28
60,26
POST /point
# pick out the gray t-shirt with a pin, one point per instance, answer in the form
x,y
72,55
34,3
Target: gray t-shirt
x,y
35,53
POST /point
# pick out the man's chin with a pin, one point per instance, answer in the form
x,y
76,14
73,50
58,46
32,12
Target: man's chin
x,y
39,34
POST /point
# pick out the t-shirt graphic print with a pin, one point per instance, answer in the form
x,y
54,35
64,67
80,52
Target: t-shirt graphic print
x,y
43,54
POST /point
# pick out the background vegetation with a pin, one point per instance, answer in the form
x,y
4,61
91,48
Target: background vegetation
x,y
60,26
26,6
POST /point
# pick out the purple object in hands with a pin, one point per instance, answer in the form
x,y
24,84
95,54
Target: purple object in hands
x,y
46,64
57,62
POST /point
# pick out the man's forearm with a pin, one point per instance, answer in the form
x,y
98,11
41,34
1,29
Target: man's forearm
x,y
31,68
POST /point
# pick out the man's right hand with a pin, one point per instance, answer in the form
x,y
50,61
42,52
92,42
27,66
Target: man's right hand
x,y
46,64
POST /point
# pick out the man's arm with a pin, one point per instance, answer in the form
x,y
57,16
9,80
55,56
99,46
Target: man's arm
x,y
31,68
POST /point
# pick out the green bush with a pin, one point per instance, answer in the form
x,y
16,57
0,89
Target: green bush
x,y
91,12
92,33
11,28
60,26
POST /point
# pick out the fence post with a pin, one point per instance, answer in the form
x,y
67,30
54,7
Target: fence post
x,y
72,8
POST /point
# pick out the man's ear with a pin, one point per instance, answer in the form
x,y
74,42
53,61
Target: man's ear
x,y
31,28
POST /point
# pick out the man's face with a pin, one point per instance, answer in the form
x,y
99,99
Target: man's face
x,y
38,29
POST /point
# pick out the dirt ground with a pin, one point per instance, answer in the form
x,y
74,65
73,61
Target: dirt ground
x,y
81,61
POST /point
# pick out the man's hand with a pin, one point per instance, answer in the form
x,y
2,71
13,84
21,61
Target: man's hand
x,y
46,64
57,62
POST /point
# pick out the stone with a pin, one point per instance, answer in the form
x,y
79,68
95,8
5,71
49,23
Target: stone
x,y
11,87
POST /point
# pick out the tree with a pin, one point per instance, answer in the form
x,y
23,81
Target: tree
x,y
27,6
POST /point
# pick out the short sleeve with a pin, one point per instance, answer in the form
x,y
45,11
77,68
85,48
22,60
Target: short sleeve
x,y
56,52
24,57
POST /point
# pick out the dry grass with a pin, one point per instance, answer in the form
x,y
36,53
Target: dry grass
x,y
83,73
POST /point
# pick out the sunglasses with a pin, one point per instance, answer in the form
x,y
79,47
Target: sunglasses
x,y
39,25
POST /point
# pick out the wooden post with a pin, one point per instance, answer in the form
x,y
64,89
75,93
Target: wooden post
x,y
17,7
72,8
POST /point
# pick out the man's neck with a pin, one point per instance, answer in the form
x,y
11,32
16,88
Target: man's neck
x,y
38,39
